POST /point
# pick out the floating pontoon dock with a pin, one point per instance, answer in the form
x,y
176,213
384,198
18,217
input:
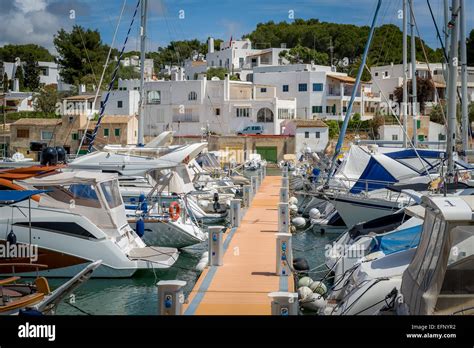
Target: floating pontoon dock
x,y
241,286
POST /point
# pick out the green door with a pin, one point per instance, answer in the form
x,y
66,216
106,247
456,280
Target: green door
x,y
268,153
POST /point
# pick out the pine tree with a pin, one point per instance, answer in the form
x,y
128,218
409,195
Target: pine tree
x,y
6,83
21,77
32,73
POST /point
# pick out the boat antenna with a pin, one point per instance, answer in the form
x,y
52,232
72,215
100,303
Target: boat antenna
x,y
354,93
144,9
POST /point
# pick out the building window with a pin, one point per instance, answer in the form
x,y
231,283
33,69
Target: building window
x,y
376,74
119,104
243,112
317,87
22,133
306,135
218,111
265,115
385,74
394,137
286,114
154,97
186,115
75,136
117,132
263,90
318,135
344,109
106,132
303,87
317,109
286,88
46,135
441,137
192,96
418,124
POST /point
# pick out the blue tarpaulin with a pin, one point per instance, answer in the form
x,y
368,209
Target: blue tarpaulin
x,y
399,240
11,197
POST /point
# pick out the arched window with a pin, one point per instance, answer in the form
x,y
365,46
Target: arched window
x,y
265,115
154,97
192,96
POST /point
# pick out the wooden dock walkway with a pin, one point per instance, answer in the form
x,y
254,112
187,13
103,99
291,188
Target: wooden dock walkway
x,y
241,286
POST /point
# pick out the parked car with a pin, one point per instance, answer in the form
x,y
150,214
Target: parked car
x,y
252,130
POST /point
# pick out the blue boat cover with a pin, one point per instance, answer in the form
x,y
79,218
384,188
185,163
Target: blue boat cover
x,y
10,197
374,171
398,241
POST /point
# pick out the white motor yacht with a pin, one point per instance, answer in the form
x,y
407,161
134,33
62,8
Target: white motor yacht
x,y
79,220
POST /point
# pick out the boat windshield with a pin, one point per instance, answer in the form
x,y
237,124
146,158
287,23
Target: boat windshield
x,y
111,193
76,194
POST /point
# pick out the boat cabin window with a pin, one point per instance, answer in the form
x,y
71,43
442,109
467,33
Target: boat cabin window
x,y
457,291
428,251
78,194
111,194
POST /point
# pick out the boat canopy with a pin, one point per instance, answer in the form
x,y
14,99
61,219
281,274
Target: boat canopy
x,y
90,194
11,197
439,278
371,168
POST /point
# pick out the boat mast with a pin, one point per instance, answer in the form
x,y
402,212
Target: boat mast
x,y
446,45
414,110
144,7
452,89
405,74
464,100
354,93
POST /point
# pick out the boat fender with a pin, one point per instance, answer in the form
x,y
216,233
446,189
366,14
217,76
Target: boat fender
x,y
11,238
304,293
305,281
318,287
293,201
201,265
142,204
299,222
175,210
140,228
300,264
313,302
314,213
294,208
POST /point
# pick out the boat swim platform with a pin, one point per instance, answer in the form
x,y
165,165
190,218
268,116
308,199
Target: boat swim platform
x,y
248,274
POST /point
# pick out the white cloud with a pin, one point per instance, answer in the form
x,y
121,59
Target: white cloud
x,y
35,21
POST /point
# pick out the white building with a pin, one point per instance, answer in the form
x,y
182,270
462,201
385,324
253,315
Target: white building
x,y
432,132
238,57
389,77
320,92
134,61
312,134
220,106
122,102
49,73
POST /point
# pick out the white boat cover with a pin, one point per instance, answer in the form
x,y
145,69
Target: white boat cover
x,y
374,168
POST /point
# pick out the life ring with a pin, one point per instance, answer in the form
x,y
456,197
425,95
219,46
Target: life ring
x,y
175,210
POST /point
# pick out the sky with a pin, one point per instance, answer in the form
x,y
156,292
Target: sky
x,y
36,21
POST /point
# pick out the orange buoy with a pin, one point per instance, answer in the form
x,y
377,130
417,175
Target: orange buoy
x,y
175,210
